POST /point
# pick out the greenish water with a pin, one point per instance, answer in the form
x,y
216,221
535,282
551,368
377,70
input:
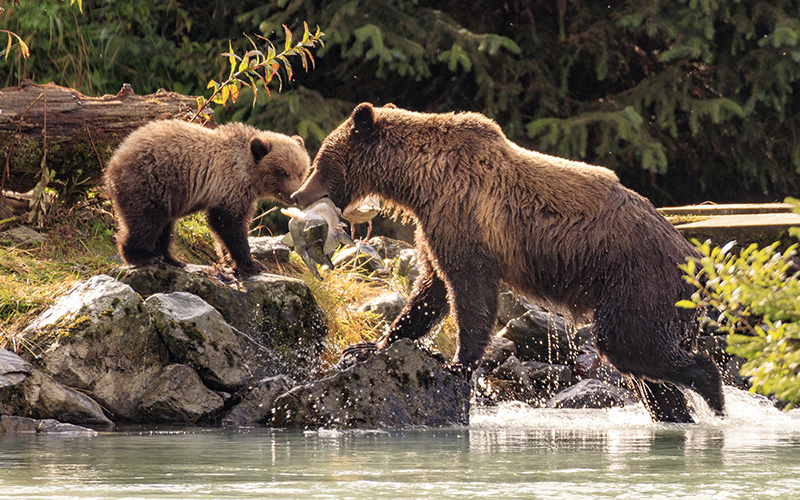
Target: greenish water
x,y
508,452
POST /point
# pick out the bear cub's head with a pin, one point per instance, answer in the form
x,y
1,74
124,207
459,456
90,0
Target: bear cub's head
x,y
333,173
281,165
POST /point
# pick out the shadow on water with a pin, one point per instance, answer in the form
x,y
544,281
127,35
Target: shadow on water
x,y
510,451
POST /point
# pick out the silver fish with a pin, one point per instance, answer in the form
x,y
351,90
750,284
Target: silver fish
x,y
315,233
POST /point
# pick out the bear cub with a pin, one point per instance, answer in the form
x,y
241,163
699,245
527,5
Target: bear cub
x,y
169,169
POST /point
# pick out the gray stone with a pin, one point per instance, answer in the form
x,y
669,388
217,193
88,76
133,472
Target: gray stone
x,y
589,364
40,396
399,386
590,393
14,425
269,248
512,369
387,306
23,236
406,265
361,257
541,336
389,248
548,372
196,335
179,396
256,406
99,340
511,305
13,369
498,350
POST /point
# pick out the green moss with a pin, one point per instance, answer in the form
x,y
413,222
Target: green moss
x,y
191,331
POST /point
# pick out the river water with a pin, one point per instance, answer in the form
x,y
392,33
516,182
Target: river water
x,y
512,451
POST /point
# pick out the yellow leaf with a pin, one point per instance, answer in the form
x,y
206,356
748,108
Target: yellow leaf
x,y
288,38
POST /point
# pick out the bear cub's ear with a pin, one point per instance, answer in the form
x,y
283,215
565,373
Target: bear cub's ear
x,y
363,117
259,148
299,140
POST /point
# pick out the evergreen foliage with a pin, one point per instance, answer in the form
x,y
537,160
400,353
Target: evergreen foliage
x,y
687,100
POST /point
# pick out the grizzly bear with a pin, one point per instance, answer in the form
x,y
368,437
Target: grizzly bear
x,y
168,169
561,232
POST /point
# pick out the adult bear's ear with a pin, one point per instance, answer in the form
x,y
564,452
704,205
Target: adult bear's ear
x,y
299,140
259,148
389,105
363,118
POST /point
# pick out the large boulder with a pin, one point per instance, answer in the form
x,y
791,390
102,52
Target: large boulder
x,y
399,386
16,425
99,340
278,317
196,335
179,396
26,391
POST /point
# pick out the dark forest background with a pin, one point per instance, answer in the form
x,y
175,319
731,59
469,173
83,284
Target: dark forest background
x,y
687,100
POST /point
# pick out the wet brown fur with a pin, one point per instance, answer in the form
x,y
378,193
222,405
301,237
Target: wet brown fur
x,y
563,232
168,169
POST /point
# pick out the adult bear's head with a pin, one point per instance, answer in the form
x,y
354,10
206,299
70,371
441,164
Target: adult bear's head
x,y
339,167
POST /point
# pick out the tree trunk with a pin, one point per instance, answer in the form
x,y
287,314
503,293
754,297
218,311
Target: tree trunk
x,y
75,133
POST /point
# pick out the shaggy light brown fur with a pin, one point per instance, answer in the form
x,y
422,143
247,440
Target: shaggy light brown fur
x,y
563,232
168,169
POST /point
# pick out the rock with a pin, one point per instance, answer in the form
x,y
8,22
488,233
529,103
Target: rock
x,y
23,237
548,373
512,369
99,340
511,305
589,364
389,248
179,396
256,406
387,306
283,326
269,248
547,379
498,350
406,265
541,336
13,425
361,257
40,396
196,335
13,369
26,391
590,393
399,386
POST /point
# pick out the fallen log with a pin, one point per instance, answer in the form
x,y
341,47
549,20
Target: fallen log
x,y
77,133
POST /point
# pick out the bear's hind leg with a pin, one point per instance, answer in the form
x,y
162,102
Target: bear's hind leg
x,y
664,401
703,376
138,243
163,244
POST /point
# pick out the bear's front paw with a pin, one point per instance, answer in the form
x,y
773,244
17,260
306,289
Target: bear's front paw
x,y
360,351
249,269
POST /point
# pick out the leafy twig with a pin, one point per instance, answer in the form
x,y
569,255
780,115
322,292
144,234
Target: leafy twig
x,y
257,66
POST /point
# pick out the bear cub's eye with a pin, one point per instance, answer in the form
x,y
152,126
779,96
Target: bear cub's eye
x,y
283,173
